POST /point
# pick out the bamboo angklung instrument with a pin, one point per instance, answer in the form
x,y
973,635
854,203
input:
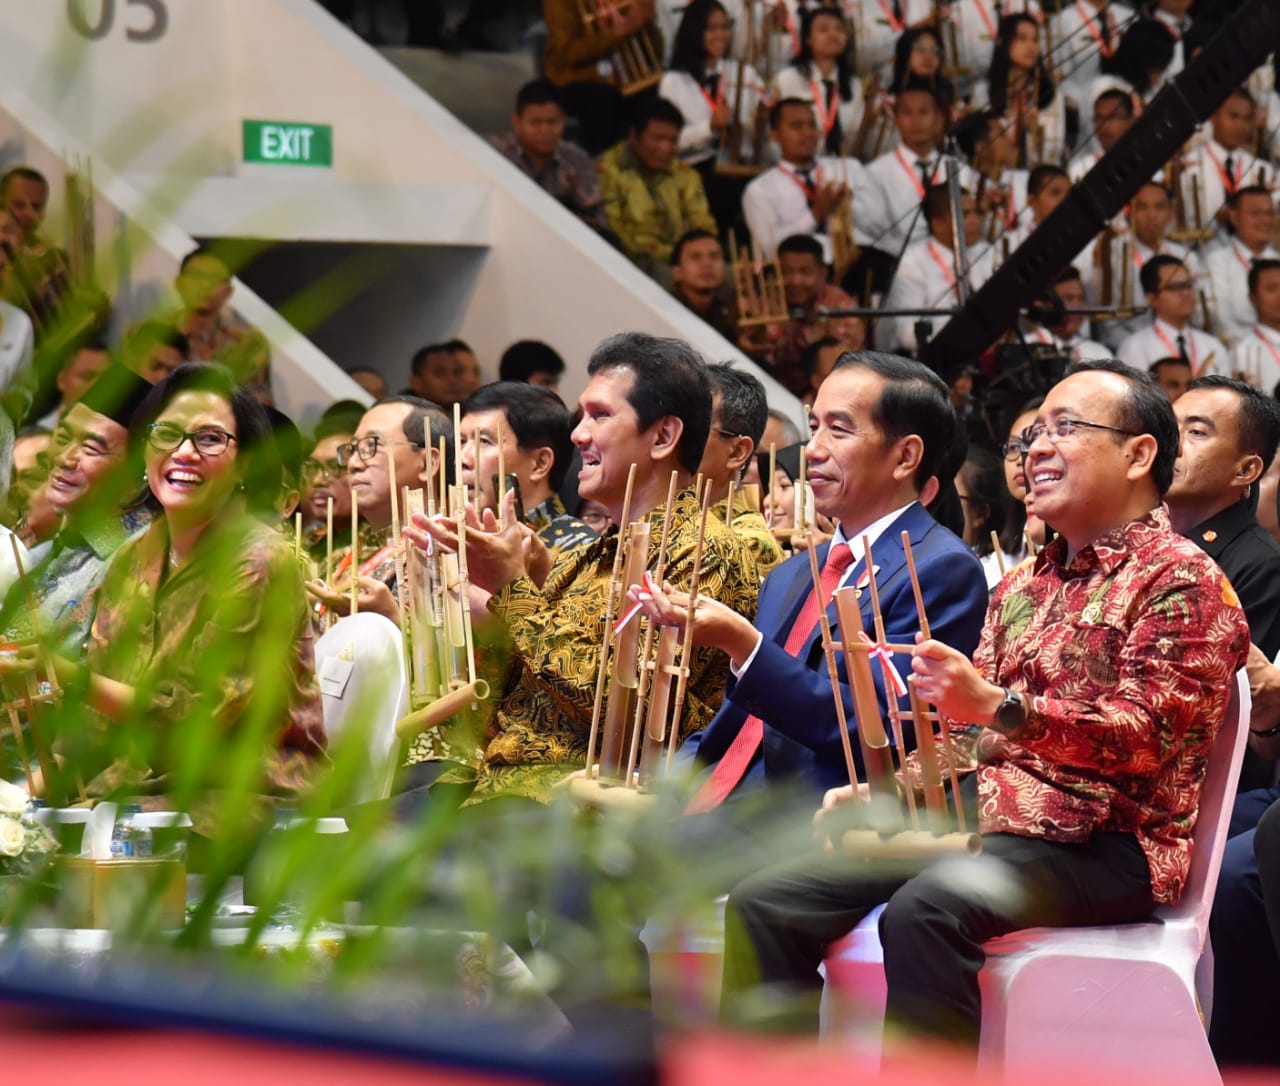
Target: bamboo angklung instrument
x,y
32,696
355,552
999,551
637,58
844,243
624,678
501,492
612,608
873,741
833,673
397,552
328,555
773,470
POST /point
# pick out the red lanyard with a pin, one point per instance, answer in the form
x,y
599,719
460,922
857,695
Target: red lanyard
x,y
895,24
809,193
946,271
915,178
1104,47
716,102
368,565
1235,250
794,31
981,5
1228,181
826,114
1275,354
1187,338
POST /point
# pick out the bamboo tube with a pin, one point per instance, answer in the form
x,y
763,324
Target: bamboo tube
x,y
686,643
773,471
441,709
829,652
297,536
44,757
801,504
656,724
611,607
890,695
647,664
328,554
625,678
935,796
924,629
877,758
502,476
355,552
397,552
15,726
999,552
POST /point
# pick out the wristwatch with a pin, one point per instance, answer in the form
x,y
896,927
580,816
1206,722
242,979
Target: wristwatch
x,y
1011,713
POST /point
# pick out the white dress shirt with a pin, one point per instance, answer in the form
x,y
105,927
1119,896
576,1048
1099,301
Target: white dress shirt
x,y
926,279
1208,166
1256,358
876,31
976,23
1115,332
1228,288
1077,54
17,343
1176,28
791,82
1160,340
698,140
900,182
775,204
1078,347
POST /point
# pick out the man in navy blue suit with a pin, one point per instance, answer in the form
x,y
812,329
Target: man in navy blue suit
x,y
881,427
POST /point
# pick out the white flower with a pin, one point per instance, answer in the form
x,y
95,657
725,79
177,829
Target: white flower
x,y
13,800
12,837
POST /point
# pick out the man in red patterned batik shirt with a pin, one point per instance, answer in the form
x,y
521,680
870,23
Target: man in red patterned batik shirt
x,y
1103,672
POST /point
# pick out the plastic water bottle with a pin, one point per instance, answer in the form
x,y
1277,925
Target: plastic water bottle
x,y
128,839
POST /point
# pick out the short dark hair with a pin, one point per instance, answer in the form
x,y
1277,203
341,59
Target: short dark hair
x,y
260,475
1155,183
655,109
1120,100
744,407
1146,410
670,379
1233,201
419,360
1149,275
1040,177
775,111
152,334
983,476
1257,420
1069,274
341,417
22,173
914,87
809,356
696,234
1160,363
1241,91
459,346
914,400
537,417
203,250
802,245
1265,264
288,441
537,92
526,357
414,426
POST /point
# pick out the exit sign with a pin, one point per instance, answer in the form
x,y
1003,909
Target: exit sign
x,y
282,143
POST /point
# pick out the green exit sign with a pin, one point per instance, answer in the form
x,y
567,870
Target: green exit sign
x,y
282,143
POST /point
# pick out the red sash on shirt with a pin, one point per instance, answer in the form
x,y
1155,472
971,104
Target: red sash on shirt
x,y
1104,46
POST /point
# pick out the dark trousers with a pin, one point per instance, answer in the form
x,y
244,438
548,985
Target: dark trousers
x,y
1246,966
780,923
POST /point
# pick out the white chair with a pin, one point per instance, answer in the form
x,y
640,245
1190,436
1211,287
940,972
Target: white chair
x,y
364,686
1128,996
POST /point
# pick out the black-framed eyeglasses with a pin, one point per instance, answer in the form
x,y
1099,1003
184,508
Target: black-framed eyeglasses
x,y
207,441
1063,427
321,471
367,448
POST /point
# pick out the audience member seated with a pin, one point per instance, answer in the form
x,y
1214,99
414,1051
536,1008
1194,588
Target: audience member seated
x,y
697,272
153,350
1020,88
214,332
36,273
1171,297
1094,25
702,82
1251,217
800,193
818,360
1090,709
779,721
1113,113
535,427
536,145
1024,533
1172,376
1137,67
540,730
436,375
984,497
392,428
1047,187
370,380
17,346
531,361
993,175
74,378
822,75
1256,355
651,198
928,276
739,411
93,489
325,480
1064,330
804,282
469,376
902,175
578,63
918,61
1211,174
168,654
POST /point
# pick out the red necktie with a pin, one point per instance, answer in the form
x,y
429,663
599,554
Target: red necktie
x,y
733,765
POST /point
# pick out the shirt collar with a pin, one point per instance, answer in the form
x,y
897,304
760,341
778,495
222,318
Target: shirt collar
x,y
1271,334
873,532
1110,549
1169,329
1215,534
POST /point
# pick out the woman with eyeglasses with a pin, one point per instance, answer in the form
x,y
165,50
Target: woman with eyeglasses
x,y
202,633
1022,529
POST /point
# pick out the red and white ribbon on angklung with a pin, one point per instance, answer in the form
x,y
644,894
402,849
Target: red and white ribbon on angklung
x,y
642,597
884,654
